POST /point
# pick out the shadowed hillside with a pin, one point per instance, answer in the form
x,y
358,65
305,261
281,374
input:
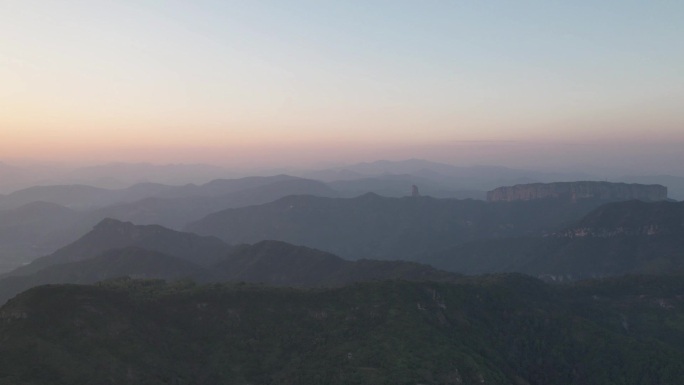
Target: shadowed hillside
x,y
492,330
117,249
113,234
371,226
617,238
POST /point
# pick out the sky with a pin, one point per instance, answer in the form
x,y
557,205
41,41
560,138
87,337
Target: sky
x,y
591,83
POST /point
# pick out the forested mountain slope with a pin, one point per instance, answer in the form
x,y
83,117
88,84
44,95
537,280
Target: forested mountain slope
x,y
491,330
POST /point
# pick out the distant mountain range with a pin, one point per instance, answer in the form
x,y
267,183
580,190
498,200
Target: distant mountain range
x,y
371,226
126,174
38,220
175,210
439,180
431,170
38,228
109,176
88,197
399,185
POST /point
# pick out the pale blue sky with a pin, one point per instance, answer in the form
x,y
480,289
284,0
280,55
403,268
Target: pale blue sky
x,y
101,78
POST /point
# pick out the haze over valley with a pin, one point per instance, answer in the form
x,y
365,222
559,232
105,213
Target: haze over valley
x,y
357,192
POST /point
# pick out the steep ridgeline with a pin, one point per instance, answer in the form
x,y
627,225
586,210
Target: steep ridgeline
x,y
371,226
116,249
491,330
617,238
574,191
112,234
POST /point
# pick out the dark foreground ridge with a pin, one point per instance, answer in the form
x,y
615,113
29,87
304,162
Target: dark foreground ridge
x,y
486,330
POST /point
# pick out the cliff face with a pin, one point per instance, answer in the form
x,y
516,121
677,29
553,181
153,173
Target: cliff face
x,y
631,218
572,191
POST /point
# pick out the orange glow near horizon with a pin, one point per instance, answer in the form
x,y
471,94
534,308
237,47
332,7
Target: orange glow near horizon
x,y
257,83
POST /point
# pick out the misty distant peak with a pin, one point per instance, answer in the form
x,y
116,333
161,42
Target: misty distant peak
x,y
369,196
111,224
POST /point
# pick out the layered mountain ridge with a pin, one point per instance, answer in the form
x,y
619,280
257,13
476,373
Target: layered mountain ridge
x,y
372,226
117,249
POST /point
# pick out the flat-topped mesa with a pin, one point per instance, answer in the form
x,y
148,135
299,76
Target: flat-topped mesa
x,y
573,191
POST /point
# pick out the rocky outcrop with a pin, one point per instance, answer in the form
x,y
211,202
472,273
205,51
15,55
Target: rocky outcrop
x,y
414,191
573,191
633,218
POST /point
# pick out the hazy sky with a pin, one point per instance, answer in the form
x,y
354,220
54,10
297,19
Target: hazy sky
x,y
271,82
